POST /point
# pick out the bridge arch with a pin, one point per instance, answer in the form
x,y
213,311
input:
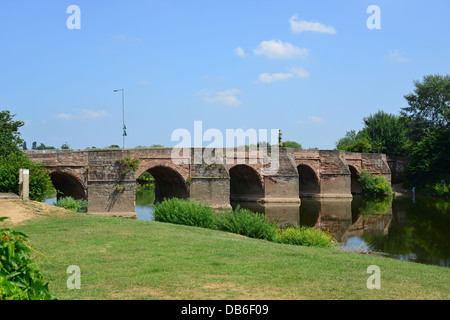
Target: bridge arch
x,y
356,187
245,184
308,181
169,183
67,185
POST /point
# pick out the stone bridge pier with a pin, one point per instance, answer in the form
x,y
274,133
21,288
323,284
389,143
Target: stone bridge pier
x,y
284,176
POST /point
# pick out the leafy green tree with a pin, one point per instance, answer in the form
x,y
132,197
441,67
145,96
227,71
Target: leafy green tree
x,y
429,106
40,183
10,141
65,146
427,118
387,134
354,142
430,160
44,147
291,144
12,158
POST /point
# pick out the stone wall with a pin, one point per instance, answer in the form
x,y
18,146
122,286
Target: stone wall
x,y
185,173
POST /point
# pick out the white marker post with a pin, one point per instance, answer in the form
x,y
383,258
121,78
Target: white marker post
x,y
24,184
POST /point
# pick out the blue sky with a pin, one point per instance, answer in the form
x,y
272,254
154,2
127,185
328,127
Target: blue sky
x,y
310,68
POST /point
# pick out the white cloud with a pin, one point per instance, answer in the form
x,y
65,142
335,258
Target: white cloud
x,y
277,49
240,52
142,82
227,97
269,78
294,72
307,26
84,114
396,56
312,119
300,72
123,37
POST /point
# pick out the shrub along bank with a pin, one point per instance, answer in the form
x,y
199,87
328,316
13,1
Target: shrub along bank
x,y
240,221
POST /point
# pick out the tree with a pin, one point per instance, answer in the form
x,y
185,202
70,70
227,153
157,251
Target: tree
x,y
34,145
427,118
382,133
10,141
291,144
65,146
387,134
354,142
44,147
40,182
429,106
430,160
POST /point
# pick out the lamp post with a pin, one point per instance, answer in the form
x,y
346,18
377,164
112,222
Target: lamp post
x,y
123,115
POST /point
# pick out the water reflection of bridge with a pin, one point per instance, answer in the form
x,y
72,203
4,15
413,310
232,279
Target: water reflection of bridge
x,y
342,217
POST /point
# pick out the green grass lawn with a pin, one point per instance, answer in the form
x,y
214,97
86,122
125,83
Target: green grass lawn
x,y
124,258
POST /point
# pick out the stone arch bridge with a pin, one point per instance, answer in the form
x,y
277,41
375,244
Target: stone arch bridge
x,y
96,175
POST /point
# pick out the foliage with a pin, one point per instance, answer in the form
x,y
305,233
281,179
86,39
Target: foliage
x,y
65,146
40,184
10,141
246,223
128,165
429,106
20,276
70,203
430,164
387,134
354,142
186,212
441,188
42,147
305,236
291,144
382,133
374,185
427,117
240,221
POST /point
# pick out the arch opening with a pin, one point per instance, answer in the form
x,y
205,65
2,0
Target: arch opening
x,y
67,185
167,184
356,187
308,182
245,184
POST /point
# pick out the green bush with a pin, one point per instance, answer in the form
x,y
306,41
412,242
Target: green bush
x,y
374,185
247,223
72,204
441,188
187,212
305,236
40,183
20,276
239,221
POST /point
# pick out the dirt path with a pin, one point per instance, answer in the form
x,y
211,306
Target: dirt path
x,y
19,212
400,191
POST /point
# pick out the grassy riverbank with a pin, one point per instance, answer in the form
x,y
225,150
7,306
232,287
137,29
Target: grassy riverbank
x,y
130,259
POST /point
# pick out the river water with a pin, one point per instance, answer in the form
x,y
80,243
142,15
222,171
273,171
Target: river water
x,y
413,229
